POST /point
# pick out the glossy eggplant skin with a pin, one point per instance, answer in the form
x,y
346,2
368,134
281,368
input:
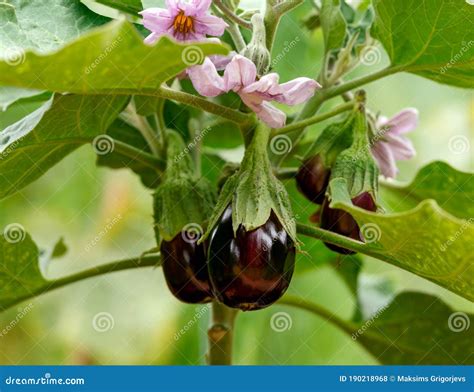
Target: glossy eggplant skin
x,y
253,269
312,179
184,265
341,222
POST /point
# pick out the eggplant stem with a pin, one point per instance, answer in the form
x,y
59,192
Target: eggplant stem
x,y
220,335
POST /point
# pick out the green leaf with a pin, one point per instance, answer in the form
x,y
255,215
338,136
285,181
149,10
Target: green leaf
x,y
121,131
453,190
37,142
414,329
333,24
112,58
43,25
10,95
20,275
418,329
425,240
428,38
132,7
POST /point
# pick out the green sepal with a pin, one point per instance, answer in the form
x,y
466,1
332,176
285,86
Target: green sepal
x,y
356,164
182,200
254,192
334,139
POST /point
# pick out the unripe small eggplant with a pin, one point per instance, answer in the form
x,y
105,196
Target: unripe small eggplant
x,y
253,269
341,222
184,264
312,179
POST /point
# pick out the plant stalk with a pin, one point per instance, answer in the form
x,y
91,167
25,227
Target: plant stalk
x,y
313,120
220,334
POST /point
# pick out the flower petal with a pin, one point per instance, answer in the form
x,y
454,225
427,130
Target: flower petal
x,y
197,7
267,87
239,73
297,91
210,25
206,80
401,147
403,122
265,111
157,20
385,159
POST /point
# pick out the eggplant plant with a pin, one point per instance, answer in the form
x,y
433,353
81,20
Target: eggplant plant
x,y
148,87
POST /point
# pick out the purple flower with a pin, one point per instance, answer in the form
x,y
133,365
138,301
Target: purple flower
x,y
240,76
185,21
391,145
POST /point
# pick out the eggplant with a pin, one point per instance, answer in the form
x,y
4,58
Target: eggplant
x,y
341,222
184,264
312,179
252,269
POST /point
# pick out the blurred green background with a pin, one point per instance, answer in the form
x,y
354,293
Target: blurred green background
x,y
76,200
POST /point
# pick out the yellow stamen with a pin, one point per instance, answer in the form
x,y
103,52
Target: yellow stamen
x,y
183,24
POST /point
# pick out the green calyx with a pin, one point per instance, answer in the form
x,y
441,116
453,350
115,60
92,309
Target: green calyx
x,y
257,50
182,201
254,191
356,164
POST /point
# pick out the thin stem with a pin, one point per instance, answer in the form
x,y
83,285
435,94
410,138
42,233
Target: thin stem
x,y
135,154
220,335
320,311
287,173
356,83
343,242
231,15
149,134
236,36
314,120
140,262
273,14
200,103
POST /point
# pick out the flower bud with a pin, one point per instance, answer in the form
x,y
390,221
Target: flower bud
x,y
251,269
257,50
312,179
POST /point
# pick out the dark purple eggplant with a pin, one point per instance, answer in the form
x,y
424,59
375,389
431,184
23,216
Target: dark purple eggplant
x,y
253,269
312,179
341,222
184,265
